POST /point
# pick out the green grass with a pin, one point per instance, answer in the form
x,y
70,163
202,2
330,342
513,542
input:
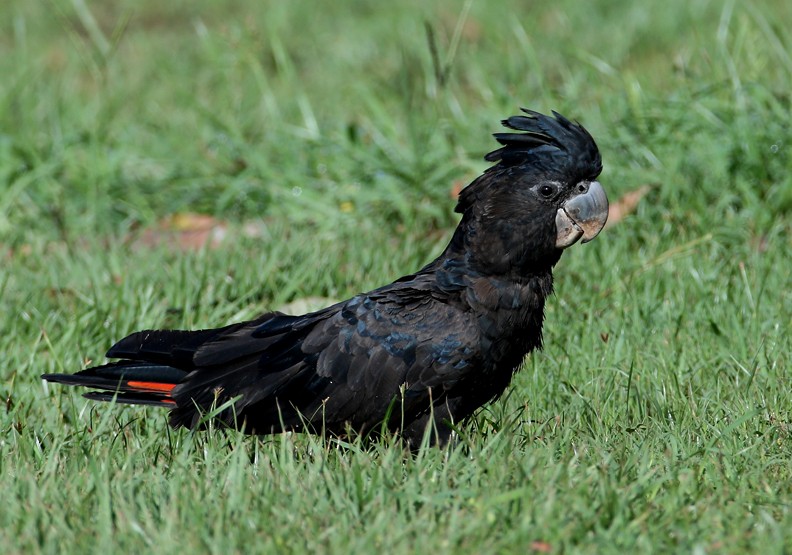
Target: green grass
x,y
657,419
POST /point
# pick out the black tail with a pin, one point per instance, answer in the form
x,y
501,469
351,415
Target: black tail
x,y
155,361
126,381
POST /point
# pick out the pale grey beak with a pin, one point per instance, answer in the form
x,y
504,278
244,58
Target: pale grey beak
x,y
582,216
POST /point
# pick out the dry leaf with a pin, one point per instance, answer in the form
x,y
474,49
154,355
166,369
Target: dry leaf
x,y
185,231
626,205
541,547
457,187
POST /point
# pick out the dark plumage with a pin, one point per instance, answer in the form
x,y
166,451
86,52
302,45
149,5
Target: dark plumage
x,y
434,345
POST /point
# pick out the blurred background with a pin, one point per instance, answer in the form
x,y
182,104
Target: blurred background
x,y
117,113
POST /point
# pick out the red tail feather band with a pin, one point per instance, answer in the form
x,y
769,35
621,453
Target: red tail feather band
x,y
152,387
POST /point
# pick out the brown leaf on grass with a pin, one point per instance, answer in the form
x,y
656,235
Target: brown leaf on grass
x,y
541,547
184,231
456,188
626,205
459,184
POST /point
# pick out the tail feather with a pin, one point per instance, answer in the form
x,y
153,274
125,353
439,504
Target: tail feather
x,y
155,364
133,399
127,381
170,347
151,387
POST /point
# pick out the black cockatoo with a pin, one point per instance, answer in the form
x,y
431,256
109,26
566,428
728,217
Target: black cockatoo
x,y
430,348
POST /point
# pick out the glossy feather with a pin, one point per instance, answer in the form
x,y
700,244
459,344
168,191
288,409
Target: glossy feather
x,y
431,347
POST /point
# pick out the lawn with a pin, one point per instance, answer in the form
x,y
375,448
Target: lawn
x,y
322,148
